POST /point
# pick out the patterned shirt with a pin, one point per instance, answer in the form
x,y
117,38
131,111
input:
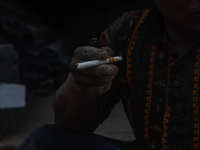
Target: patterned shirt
x,y
158,88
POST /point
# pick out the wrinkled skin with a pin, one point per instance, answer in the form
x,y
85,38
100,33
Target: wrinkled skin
x,y
93,81
75,102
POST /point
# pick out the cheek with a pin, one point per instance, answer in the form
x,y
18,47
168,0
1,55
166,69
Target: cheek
x,y
173,9
176,13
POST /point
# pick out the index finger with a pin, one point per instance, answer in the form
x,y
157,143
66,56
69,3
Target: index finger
x,y
101,70
90,53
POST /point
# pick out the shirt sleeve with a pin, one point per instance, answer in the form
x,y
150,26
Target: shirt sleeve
x,y
118,89
110,36
115,37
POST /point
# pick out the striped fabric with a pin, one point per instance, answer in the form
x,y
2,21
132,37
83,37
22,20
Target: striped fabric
x,y
158,88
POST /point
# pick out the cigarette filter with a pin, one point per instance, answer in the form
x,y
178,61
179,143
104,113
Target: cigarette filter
x,y
97,62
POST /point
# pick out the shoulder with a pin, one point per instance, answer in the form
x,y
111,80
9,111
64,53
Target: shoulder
x,y
132,15
127,19
121,27
132,18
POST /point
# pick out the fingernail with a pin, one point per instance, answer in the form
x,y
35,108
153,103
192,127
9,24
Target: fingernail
x,y
111,71
102,55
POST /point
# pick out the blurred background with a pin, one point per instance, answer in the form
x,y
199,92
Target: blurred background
x,y
37,41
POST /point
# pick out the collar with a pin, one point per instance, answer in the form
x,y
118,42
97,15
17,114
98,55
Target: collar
x,y
154,30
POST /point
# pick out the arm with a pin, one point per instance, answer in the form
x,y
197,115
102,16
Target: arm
x,y
75,102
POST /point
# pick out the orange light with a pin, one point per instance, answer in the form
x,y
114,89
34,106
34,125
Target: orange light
x,y
111,59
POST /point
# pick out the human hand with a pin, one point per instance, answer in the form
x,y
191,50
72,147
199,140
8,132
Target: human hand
x,y
93,81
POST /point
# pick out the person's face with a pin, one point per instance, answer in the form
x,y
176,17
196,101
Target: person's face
x,y
181,14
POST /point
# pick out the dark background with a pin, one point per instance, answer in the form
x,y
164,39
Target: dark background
x,y
70,18
46,33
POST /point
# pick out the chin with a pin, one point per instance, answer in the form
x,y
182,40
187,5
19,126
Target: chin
x,y
192,30
195,34
196,31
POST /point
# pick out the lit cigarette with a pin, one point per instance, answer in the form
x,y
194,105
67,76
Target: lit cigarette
x,y
97,62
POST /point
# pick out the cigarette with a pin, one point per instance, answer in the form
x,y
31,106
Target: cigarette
x,y
97,62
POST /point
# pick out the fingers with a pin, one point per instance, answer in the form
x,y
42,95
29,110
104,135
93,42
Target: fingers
x,y
109,51
93,53
93,91
90,53
92,81
101,70
95,83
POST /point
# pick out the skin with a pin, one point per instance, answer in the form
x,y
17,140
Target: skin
x,y
75,102
182,21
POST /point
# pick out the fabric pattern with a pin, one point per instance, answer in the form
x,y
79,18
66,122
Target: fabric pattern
x,y
158,88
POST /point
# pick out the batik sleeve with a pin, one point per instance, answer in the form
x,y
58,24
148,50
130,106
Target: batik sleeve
x,y
107,101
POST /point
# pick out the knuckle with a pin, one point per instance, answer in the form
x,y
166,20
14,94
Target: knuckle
x,y
93,91
77,81
102,70
80,80
73,70
109,79
106,80
108,86
108,50
87,92
100,91
91,53
87,71
81,51
82,90
95,53
77,51
102,82
103,89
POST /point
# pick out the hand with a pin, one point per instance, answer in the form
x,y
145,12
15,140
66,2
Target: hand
x,y
93,81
